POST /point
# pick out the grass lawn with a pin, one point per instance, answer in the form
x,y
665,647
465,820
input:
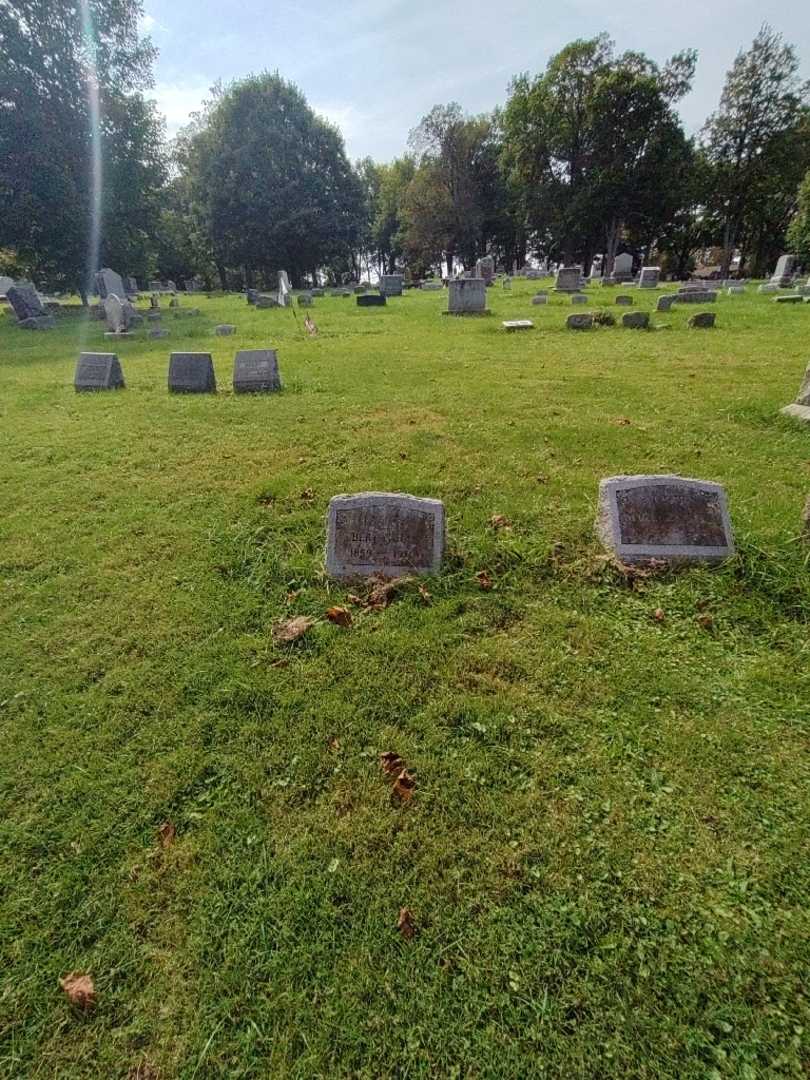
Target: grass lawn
x,y
606,854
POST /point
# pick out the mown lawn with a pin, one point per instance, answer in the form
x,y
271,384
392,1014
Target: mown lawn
x,y
606,855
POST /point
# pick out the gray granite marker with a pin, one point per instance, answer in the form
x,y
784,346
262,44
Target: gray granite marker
x,y
98,371
255,371
665,303
371,300
800,408
636,320
624,301
383,533
224,329
667,518
580,322
467,296
704,320
191,373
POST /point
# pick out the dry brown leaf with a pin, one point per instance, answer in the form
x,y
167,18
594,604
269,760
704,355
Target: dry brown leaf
x,y
391,763
353,598
426,596
334,743
405,924
167,833
293,596
484,580
292,629
706,621
307,494
403,788
658,614
382,591
500,521
340,616
622,421
79,990
145,1070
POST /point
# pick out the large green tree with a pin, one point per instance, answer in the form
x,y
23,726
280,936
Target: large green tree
x,y
57,58
799,230
762,110
270,182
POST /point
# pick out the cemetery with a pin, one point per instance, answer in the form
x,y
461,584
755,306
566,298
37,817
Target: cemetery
x,y
405,659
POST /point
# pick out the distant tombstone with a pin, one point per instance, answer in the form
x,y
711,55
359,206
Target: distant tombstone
x,y
579,298
155,286
317,292
666,518
568,279
170,285
533,275
154,316
5,284
98,371
583,321
191,373
371,300
624,301
736,290
431,286
696,296
518,324
485,268
648,279
284,289
109,283
132,285
174,302
305,299
800,408
158,332
704,320
507,283
25,302
358,290
391,284
793,298
623,267
383,533
117,315
636,320
768,288
251,295
467,296
540,298
783,274
596,268
665,303
263,302
255,371
224,329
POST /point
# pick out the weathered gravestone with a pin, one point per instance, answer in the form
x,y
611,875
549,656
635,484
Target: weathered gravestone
x,y
540,298
224,329
623,267
518,324
636,320
251,295
506,283
383,533
767,288
284,289
666,518
783,274
158,332
371,300
624,301
467,296
648,279
305,300
391,284
255,371
696,296
736,290
109,283
98,371
317,292
117,315
131,285
568,279
800,408
192,373
5,284
793,298
359,289
431,286
263,302
579,298
665,303
485,268
704,320
582,321
28,307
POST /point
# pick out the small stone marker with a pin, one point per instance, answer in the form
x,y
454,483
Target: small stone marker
x,y
255,371
667,518
800,408
736,290
467,296
371,300
704,320
696,296
98,371
251,295
793,298
383,533
768,288
518,324
305,300
579,298
317,292
636,320
192,373
583,321
263,302
541,298
431,286
648,278
624,301
506,283
224,329
485,268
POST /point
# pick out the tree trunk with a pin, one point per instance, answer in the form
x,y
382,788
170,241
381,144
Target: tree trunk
x,y
729,236
611,243
448,258
223,277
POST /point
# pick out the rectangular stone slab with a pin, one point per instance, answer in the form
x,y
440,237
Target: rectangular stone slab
x,y
466,296
370,300
25,301
255,371
191,373
669,518
383,533
518,324
98,371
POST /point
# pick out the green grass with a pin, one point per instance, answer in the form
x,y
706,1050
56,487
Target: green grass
x,y
606,854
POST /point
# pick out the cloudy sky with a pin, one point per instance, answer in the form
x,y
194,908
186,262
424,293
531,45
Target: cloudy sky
x,y
376,69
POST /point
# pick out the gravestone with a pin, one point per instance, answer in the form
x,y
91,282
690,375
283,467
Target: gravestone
x,y
666,518
391,284
793,298
533,275
154,316
131,285
623,267
596,269
783,274
317,292
371,300
736,290
5,284
518,324
540,298
358,289
568,279
583,321
648,279
251,295
109,283
117,316
224,329
624,301
174,302
98,371
383,533
26,303
158,332
768,288
579,298
696,296
305,300
263,302
485,268
255,371
704,320
800,408
155,286
191,373
431,286
284,289
636,320
467,296
665,303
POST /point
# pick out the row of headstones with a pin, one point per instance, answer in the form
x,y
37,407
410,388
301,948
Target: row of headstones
x,y
254,371
640,518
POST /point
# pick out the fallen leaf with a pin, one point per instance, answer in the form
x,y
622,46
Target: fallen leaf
x,y
500,521
144,1071
405,924
484,580
79,990
292,629
340,616
307,494
353,598
426,596
293,596
167,833
391,763
658,614
403,787
622,421
706,621
383,591
334,743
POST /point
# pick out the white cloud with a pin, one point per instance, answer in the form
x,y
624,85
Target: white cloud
x,y
351,122
149,24
177,102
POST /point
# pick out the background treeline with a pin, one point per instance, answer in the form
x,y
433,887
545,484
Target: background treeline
x,y
586,157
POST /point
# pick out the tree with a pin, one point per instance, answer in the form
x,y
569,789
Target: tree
x,y
762,103
56,68
388,222
270,182
799,231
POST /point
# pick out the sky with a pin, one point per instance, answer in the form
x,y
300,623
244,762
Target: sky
x,y
375,69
